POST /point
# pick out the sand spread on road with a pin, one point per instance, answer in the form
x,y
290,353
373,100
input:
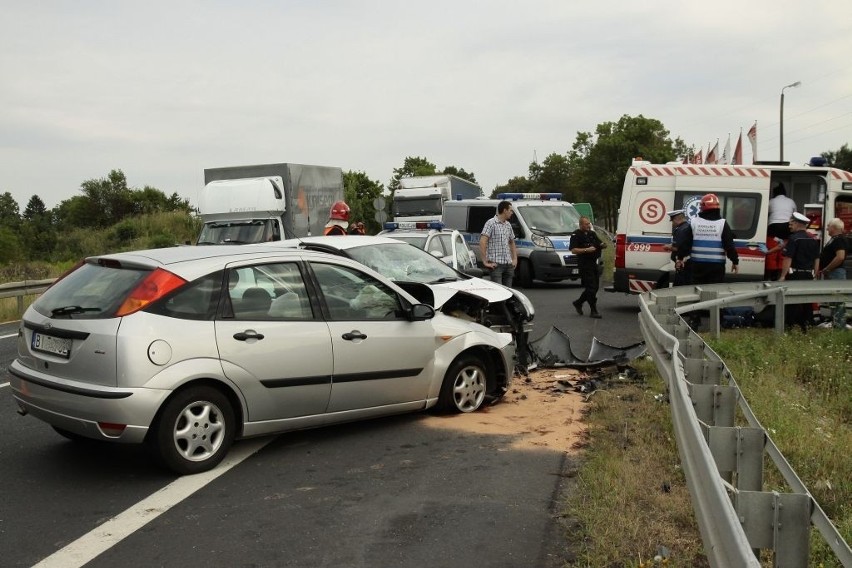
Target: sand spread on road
x,y
539,411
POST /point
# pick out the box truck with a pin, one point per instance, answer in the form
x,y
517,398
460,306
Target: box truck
x,y
268,202
422,198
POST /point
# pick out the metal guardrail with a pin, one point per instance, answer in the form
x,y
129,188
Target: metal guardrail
x,y
722,462
26,288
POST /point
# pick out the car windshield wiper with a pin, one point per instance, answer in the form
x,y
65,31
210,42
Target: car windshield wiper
x,y
444,279
68,310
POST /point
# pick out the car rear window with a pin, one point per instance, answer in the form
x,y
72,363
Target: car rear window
x,y
90,292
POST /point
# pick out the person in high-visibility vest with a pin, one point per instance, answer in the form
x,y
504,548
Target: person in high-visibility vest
x,y
710,241
338,219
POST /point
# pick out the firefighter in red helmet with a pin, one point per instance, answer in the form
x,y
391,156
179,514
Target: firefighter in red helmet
x,y
338,219
711,240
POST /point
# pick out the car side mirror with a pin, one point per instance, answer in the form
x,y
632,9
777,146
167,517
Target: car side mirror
x,y
421,312
474,271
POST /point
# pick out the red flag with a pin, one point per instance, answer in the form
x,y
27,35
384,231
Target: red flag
x,y
696,159
711,155
752,137
738,150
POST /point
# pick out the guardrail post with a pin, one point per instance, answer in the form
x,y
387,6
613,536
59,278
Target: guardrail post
x,y
777,521
715,318
779,309
738,450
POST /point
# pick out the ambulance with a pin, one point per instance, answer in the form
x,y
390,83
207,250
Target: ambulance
x,y
651,190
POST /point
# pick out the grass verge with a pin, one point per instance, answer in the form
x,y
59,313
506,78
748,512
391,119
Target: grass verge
x,y
630,502
629,497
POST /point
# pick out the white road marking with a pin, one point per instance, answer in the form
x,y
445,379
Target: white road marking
x,y
105,536
8,336
3,385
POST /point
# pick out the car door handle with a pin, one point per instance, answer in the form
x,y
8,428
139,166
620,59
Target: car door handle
x,y
248,334
354,334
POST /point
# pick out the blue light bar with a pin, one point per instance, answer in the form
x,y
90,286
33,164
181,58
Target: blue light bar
x,y
530,196
421,225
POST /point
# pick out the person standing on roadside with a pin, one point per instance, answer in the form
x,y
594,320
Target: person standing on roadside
x,y
831,267
710,240
497,245
801,260
586,245
679,248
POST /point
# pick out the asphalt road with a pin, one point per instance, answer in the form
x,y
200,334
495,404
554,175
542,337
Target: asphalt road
x,y
390,492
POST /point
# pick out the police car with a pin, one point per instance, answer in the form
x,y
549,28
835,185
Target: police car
x,y
447,245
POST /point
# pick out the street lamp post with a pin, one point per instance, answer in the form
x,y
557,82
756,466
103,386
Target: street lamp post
x,y
781,122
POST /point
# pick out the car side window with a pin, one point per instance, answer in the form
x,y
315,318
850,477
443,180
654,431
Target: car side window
x,y
462,253
353,295
195,301
436,244
274,291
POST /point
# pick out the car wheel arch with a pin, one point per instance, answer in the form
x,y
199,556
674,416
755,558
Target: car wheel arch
x,y
236,402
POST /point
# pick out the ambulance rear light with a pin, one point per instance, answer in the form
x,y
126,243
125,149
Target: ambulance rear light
x,y
533,196
620,249
421,225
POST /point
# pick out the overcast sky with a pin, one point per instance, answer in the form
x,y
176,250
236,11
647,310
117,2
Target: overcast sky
x,y
162,90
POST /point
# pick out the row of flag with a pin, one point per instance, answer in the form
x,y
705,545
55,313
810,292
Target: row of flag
x,y
713,157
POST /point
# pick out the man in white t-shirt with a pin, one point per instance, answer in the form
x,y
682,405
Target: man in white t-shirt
x,y
781,209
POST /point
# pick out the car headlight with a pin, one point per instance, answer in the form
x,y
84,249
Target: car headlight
x,y
525,302
542,241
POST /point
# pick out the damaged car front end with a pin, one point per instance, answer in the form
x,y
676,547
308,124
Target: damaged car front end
x,y
433,282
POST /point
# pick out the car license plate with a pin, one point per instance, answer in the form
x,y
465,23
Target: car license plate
x,y
49,344
575,271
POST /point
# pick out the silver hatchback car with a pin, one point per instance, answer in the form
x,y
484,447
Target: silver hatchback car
x,y
189,348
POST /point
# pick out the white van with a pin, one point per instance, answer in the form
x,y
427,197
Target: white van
x,y
542,223
650,190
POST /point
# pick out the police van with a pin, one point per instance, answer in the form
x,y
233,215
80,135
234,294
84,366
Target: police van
x,y
650,190
542,224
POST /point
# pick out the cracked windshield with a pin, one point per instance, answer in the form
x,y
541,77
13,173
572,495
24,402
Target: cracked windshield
x,y
403,262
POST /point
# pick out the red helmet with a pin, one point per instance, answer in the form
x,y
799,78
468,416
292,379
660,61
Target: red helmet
x,y
339,211
709,201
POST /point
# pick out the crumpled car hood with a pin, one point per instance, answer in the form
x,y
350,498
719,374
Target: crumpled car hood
x,y
485,289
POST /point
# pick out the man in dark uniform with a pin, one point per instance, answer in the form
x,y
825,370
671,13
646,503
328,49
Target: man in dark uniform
x,y
586,245
680,248
801,261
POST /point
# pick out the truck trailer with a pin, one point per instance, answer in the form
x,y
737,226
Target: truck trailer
x,y
422,198
268,202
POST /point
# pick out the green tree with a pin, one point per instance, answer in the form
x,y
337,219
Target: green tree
x,y
77,212
10,245
840,159
599,161
411,167
10,214
518,184
111,197
359,192
37,230
454,171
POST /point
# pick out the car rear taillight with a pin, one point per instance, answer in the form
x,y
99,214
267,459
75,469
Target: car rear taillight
x,y
620,248
156,285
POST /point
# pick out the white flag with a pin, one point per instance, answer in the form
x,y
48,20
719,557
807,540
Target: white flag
x,y
726,153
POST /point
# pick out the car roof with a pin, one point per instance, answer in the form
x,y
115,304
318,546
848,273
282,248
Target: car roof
x,y
193,261
417,232
340,242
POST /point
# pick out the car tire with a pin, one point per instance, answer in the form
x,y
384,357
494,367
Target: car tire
x,y
525,275
464,386
194,430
